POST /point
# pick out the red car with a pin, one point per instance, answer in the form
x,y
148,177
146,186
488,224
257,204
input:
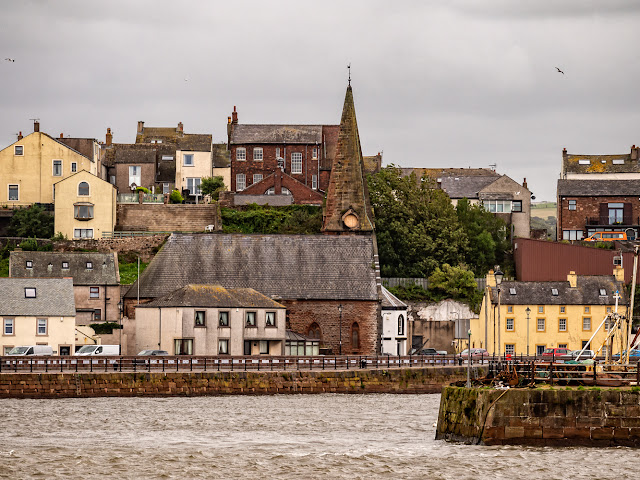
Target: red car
x,y
553,354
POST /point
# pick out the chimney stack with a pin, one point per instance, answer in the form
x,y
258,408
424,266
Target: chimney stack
x,y
20,137
140,127
180,127
524,183
61,135
108,137
234,115
572,278
634,152
36,126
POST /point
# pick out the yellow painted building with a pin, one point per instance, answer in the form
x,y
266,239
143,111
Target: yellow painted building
x,y
85,206
532,316
31,166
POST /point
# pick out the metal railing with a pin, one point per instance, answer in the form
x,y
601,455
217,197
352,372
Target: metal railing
x,y
53,364
132,234
135,198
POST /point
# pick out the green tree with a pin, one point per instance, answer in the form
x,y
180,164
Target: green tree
x,y
176,197
212,186
487,236
417,228
457,283
31,222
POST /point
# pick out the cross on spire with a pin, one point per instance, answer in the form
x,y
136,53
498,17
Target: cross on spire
x,y
349,68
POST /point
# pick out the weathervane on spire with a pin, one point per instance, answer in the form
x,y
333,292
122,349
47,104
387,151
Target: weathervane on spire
x,y
349,68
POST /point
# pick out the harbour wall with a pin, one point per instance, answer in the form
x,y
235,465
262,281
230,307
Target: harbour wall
x,y
73,385
540,417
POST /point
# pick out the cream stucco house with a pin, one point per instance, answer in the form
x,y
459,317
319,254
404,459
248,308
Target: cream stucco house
x,y
31,166
85,206
211,320
38,311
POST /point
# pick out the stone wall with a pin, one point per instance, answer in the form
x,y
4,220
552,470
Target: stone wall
x,y
68,385
166,217
145,246
593,417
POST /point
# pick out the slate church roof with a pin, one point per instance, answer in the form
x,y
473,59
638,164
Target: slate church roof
x,y
53,297
214,296
319,267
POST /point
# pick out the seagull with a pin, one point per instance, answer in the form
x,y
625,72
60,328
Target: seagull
x,y
559,70
10,59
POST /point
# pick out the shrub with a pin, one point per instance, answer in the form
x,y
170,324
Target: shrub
x,y
143,189
176,197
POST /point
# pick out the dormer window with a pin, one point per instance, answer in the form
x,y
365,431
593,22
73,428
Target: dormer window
x,y
512,291
554,292
603,292
65,265
89,265
29,264
584,161
29,292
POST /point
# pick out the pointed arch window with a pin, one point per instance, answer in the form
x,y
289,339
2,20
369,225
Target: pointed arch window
x,y
314,331
355,336
400,325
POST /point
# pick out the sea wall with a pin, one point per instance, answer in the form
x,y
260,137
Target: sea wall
x,y
67,385
592,416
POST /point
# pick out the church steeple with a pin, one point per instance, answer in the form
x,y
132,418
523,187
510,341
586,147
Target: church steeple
x,y
347,208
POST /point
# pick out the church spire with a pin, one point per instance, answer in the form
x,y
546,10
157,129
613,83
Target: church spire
x,y
347,208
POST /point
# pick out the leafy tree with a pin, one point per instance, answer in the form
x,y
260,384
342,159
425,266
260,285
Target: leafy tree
x,y
487,236
457,283
212,186
31,222
417,228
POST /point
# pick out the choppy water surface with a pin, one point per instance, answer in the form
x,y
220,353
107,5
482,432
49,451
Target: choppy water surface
x,y
295,436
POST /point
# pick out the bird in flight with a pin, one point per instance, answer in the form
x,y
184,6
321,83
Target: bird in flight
x,y
10,59
559,70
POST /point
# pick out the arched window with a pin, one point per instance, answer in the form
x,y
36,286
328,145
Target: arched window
x,y
314,331
400,325
83,189
355,336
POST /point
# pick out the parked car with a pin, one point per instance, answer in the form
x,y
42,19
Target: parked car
x,y
606,237
635,353
99,350
550,354
585,355
148,353
475,353
31,350
427,351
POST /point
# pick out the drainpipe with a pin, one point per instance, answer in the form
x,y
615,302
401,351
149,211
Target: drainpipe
x,y
306,170
105,303
160,328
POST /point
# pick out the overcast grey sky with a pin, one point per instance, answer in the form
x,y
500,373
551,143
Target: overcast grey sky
x,y
453,83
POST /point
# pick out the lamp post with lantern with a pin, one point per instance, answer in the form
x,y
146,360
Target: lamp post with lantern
x,y
528,311
340,328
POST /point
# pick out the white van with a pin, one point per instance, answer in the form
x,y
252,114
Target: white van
x,y
31,350
103,350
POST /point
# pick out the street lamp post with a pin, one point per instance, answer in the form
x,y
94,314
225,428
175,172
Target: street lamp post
x,y
120,326
528,311
340,327
469,360
498,276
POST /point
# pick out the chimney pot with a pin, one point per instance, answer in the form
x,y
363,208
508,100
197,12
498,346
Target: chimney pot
x,y
36,126
20,137
140,127
108,137
180,127
228,119
234,115
62,135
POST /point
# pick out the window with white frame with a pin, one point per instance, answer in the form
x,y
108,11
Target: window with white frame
x,y
400,325
42,326
29,264
57,168
187,159
586,323
572,204
18,150
65,265
314,182
314,153
74,167
83,211
540,326
241,153
156,140
277,152
89,265
135,173
257,154
509,348
83,189
29,292
296,163
241,182
8,327
584,161
83,233
223,346
497,206
166,188
257,177
562,324
193,185
94,292
510,327
572,235
167,157
14,193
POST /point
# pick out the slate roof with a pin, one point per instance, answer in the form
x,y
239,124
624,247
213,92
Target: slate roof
x,y
213,296
465,187
134,154
591,188
244,134
84,146
54,297
587,292
285,266
194,142
449,172
220,155
600,163
391,302
104,271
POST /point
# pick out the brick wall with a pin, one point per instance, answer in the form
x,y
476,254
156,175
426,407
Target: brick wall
x,y
589,207
302,314
70,385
